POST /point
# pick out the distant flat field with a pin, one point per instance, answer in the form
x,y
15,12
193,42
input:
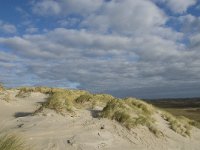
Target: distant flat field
x,y
189,108
192,113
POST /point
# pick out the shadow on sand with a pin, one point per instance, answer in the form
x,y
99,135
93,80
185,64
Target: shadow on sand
x,y
22,114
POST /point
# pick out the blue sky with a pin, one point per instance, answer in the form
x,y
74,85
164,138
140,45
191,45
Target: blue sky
x,y
140,48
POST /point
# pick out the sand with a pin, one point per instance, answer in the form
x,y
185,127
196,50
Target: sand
x,y
83,131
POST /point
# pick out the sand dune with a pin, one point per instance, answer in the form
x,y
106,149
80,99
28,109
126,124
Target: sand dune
x,y
82,130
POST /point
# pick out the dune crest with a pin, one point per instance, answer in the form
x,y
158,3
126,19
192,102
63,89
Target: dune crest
x,y
58,119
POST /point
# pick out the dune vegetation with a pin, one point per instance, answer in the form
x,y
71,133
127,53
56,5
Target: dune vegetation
x,y
180,125
11,142
129,112
4,95
1,87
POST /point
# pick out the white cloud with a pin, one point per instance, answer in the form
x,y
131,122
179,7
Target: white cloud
x,y
118,44
96,61
7,28
69,22
195,42
7,57
31,30
189,24
177,6
180,6
65,7
46,7
126,17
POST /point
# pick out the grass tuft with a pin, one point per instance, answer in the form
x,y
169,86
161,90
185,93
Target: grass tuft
x,y
11,142
194,123
84,98
129,112
1,87
140,105
7,97
179,125
23,94
128,116
59,102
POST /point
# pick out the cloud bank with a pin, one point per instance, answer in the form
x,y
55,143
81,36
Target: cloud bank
x,y
126,48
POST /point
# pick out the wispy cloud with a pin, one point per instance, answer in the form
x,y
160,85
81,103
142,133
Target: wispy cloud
x,y
7,27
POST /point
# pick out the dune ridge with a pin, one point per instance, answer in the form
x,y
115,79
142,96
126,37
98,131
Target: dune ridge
x,y
54,118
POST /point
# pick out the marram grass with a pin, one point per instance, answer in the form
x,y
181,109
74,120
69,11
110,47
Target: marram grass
x,y
121,110
1,87
129,112
11,142
178,125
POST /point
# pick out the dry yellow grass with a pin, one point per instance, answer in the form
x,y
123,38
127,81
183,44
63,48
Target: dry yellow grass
x,y
89,100
59,102
1,87
11,142
179,125
7,97
130,113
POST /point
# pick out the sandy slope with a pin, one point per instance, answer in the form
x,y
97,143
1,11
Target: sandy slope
x,y
50,131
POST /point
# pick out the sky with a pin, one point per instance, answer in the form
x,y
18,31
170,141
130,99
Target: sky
x,y
139,48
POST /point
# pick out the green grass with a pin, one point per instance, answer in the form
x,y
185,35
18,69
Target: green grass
x,y
11,142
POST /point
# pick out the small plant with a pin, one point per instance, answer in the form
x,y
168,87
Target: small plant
x,y
11,142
